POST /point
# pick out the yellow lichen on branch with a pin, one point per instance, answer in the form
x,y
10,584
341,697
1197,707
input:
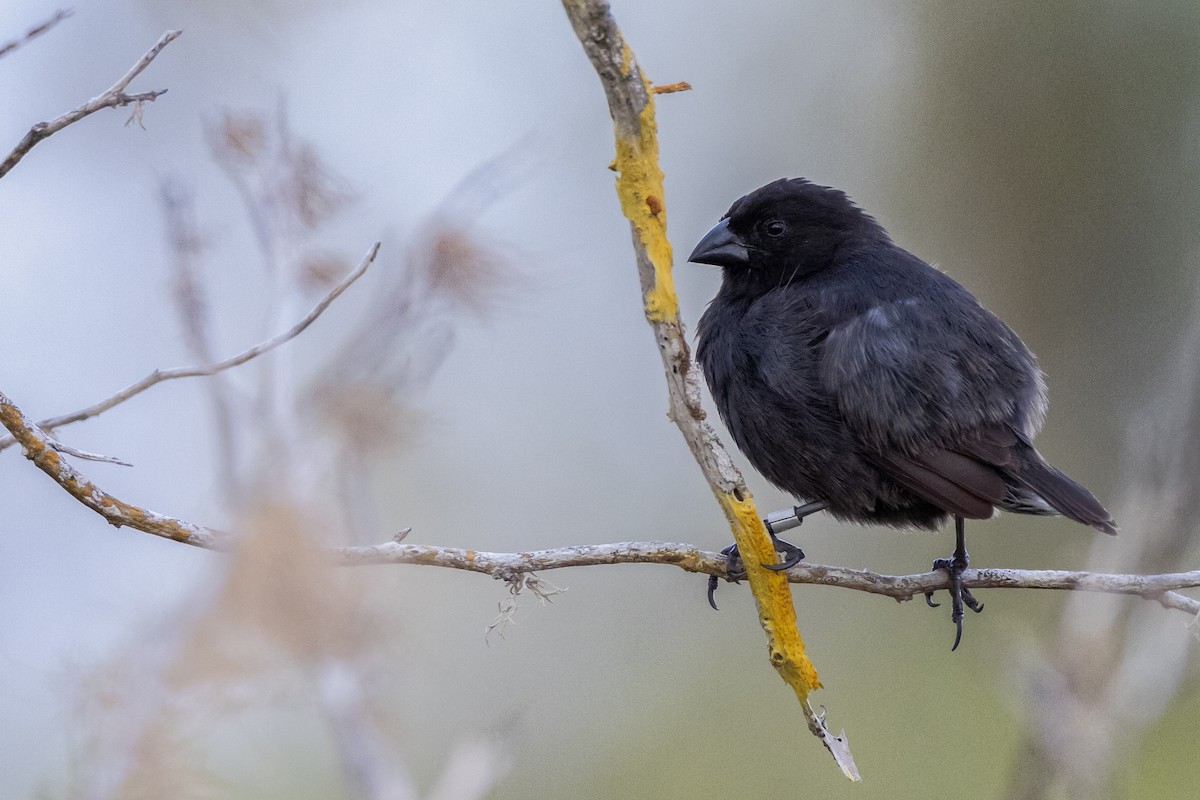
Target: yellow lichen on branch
x,y
640,190
773,593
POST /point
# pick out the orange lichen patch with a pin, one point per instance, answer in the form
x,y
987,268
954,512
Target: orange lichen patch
x,y
655,205
37,448
671,88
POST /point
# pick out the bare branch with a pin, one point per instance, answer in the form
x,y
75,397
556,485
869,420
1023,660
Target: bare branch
x,y
35,31
160,375
692,559
114,97
40,449
43,452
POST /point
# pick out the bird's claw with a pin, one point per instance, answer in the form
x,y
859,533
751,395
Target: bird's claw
x,y
712,590
960,596
775,522
735,570
792,555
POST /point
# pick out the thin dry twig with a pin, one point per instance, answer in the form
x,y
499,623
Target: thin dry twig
x,y
370,765
160,375
690,558
85,455
113,98
191,303
671,88
40,449
35,31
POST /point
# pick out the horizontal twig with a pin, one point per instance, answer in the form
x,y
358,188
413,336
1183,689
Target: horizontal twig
x,y
40,449
692,559
160,375
114,97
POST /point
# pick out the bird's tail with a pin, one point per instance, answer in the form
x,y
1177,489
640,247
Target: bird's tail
x,y
1059,492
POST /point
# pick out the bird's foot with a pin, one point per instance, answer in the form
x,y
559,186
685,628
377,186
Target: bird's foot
x,y
792,555
735,570
775,522
960,596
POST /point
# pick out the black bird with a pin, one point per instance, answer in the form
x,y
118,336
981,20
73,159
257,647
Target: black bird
x,y
857,377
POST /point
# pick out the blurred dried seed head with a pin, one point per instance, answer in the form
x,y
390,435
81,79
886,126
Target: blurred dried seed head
x,y
465,270
283,180
312,191
165,764
186,248
367,418
322,271
243,137
282,596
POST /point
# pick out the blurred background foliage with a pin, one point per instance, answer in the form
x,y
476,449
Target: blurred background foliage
x,y
491,384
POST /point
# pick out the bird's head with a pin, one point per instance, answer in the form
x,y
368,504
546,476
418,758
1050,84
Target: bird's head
x,y
785,230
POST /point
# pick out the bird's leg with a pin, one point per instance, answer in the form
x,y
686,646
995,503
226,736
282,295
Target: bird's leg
x,y
776,522
779,521
959,595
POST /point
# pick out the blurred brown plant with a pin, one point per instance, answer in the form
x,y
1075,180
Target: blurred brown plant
x,y
1114,669
279,605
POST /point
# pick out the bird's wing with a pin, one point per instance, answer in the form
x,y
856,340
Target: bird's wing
x,y
957,482
934,388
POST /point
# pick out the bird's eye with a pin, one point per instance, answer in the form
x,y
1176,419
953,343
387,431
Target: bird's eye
x,y
775,228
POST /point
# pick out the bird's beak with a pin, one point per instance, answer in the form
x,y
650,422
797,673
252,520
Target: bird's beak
x,y
722,247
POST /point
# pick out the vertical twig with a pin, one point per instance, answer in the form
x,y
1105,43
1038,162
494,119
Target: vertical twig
x,y
191,302
640,190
